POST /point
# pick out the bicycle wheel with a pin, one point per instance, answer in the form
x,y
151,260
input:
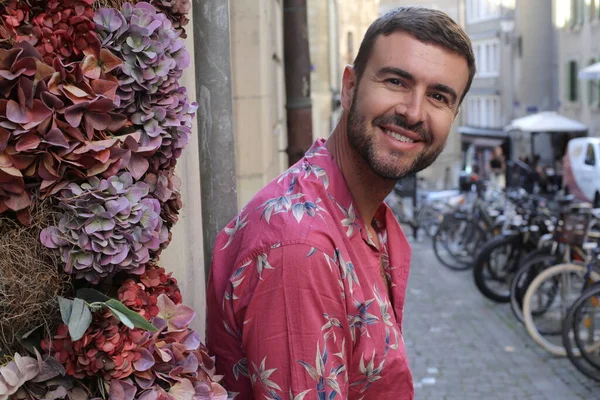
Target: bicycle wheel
x,y
456,242
527,272
586,325
429,219
495,265
581,334
557,288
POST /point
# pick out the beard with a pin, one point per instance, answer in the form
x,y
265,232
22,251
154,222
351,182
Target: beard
x,y
395,165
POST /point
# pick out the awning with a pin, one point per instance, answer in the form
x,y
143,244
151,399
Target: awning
x,y
479,141
546,121
487,132
590,73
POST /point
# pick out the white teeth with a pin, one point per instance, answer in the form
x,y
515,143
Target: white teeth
x,y
399,137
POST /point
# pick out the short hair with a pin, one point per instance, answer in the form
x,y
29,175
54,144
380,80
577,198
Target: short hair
x,y
424,24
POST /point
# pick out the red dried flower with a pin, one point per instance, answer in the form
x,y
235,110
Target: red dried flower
x,y
141,293
107,349
58,29
132,294
12,187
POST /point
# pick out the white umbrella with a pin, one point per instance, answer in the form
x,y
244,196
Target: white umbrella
x,y
546,121
590,73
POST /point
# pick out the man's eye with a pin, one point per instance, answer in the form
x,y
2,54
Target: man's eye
x,y
395,82
440,97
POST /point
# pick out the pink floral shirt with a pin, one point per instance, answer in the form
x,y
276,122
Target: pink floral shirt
x,y
297,305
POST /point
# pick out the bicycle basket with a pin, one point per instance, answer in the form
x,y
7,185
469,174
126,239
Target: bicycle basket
x,y
572,229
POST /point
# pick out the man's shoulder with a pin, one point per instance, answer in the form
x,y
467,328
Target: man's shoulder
x,y
289,210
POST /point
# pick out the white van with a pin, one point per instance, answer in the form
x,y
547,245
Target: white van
x,y
582,169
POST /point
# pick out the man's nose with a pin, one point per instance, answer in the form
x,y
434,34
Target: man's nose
x,y
411,107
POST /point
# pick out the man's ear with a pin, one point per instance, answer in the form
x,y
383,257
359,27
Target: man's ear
x,y
457,111
349,85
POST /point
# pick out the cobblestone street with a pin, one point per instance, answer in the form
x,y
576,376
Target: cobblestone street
x,y
462,346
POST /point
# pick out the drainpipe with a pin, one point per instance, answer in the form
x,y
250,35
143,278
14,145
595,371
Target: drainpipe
x,y
212,59
297,79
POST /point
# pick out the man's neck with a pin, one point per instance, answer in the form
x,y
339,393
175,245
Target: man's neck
x,y
367,188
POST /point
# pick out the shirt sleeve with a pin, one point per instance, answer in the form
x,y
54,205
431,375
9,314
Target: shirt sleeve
x,y
294,327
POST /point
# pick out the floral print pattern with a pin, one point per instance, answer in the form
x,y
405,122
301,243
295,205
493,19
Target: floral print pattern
x,y
297,306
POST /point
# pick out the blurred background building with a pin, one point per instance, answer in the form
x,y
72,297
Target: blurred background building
x,y
336,28
578,27
508,84
258,93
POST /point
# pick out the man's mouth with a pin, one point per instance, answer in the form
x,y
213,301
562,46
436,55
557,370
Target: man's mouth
x,y
400,134
399,137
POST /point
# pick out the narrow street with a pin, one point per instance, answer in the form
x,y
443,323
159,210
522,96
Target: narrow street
x,y
462,346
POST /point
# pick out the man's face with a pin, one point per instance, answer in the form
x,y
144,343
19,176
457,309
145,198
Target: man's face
x,y
401,111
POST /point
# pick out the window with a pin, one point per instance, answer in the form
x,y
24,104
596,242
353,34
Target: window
x,y
484,111
487,58
590,156
578,10
572,82
482,10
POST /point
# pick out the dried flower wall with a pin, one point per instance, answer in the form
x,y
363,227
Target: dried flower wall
x,y
92,121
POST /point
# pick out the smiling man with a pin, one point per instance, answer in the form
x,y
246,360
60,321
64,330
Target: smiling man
x,y
307,285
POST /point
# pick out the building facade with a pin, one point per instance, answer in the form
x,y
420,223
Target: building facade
x,y
508,84
258,82
336,29
578,25
488,106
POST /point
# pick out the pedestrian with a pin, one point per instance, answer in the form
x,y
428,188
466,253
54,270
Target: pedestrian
x,y
497,166
307,285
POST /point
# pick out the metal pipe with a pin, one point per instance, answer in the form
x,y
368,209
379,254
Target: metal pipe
x,y
212,59
297,79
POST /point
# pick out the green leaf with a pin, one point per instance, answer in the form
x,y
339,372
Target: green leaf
x,y
80,319
121,317
92,295
66,306
137,320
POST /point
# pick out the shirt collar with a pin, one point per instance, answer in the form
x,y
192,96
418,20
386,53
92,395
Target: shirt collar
x,y
340,193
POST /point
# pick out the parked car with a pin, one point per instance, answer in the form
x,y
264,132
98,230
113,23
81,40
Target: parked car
x,y
582,169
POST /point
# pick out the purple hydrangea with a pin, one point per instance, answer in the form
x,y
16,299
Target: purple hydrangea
x,y
154,59
108,225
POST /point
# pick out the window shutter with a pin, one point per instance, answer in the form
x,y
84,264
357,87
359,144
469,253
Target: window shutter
x,y
568,81
572,81
592,87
